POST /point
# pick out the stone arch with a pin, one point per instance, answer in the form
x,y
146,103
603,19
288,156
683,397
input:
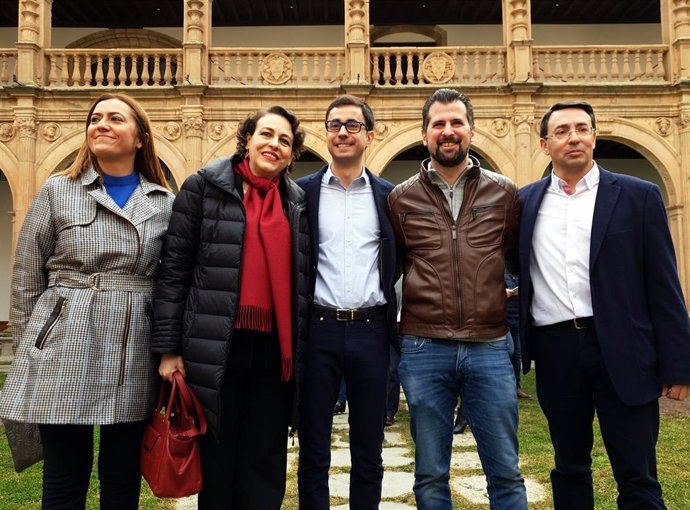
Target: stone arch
x,y
172,157
56,154
126,38
433,32
408,136
10,168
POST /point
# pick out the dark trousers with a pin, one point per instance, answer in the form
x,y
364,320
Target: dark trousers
x,y
393,398
359,351
244,467
572,383
68,459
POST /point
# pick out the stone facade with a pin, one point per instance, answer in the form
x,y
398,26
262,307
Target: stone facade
x,y
196,94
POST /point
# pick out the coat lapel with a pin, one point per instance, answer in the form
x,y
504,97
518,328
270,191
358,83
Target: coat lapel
x,y
530,203
607,196
312,191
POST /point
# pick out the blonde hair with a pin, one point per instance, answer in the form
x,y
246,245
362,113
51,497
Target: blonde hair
x,y
146,161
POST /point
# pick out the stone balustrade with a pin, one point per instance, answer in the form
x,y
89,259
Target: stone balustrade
x,y
276,67
597,64
412,66
8,63
324,67
129,67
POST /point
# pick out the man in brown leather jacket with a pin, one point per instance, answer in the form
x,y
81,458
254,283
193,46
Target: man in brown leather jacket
x,y
456,224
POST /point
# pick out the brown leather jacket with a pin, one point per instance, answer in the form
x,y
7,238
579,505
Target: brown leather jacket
x,y
453,286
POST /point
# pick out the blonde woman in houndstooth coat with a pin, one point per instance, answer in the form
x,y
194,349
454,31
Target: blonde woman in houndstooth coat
x,y
81,290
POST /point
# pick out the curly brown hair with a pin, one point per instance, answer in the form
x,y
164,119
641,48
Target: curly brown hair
x,y
248,127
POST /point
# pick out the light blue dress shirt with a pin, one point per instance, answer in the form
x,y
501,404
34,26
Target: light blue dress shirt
x,y
349,239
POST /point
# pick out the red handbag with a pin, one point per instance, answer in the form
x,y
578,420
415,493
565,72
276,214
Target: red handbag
x,y
170,460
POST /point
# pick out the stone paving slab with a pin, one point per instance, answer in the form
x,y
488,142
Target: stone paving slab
x,y
465,461
473,488
395,484
396,457
385,505
465,439
394,438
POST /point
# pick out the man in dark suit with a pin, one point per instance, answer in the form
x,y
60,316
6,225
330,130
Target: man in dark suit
x,y
353,313
602,313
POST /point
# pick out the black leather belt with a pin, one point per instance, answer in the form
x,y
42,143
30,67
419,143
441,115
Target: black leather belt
x,y
350,314
577,323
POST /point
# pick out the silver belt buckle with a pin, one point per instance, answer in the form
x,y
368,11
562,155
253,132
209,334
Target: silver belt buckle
x,y
344,314
92,281
577,326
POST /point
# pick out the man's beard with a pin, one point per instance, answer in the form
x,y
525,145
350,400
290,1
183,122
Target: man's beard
x,y
449,162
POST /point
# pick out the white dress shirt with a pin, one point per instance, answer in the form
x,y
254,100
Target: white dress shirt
x,y
559,260
349,236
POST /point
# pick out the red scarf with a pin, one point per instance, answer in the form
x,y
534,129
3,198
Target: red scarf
x,y
265,281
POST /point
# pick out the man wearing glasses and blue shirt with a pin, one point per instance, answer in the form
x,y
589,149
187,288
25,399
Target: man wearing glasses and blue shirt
x,y
354,310
602,313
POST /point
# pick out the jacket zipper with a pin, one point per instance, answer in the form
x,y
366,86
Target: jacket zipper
x,y
125,340
476,210
54,318
454,237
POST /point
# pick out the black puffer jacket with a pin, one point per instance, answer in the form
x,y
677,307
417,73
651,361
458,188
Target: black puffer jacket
x,y
196,295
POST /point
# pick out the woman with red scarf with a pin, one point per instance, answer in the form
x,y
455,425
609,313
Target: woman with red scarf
x,y
231,308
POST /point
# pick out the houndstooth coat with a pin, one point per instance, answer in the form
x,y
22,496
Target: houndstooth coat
x,y
81,293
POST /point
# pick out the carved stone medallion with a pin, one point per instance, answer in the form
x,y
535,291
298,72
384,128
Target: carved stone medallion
x,y
6,132
217,131
172,131
499,127
276,68
51,131
438,67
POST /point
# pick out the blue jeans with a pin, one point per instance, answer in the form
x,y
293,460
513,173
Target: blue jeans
x,y
433,373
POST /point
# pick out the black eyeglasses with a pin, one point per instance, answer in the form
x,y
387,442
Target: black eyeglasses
x,y
352,126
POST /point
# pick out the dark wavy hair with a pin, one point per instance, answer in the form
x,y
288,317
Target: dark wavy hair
x,y
248,127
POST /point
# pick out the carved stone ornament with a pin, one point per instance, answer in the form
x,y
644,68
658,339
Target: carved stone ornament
x,y
6,132
381,130
172,131
194,125
51,131
499,127
684,120
27,126
438,67
217,131
276,68
662,125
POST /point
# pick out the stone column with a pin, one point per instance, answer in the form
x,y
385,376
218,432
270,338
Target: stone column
x,y
26,127
517,37
194,127
525,137
679,221
357,66
33,37
675,21
197,40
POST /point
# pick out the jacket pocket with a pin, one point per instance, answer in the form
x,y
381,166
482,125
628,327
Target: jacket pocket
x,y
486,225
53,318
421,230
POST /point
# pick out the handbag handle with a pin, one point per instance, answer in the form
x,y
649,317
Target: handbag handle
x,y
188,403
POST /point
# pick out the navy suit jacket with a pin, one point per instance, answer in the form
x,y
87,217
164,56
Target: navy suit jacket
x,y
640,317
311,184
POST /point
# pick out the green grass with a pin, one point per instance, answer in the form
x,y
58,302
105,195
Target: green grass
x,y
22,491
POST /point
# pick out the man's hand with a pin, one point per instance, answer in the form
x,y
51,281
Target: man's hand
x,y
171,363
675,391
